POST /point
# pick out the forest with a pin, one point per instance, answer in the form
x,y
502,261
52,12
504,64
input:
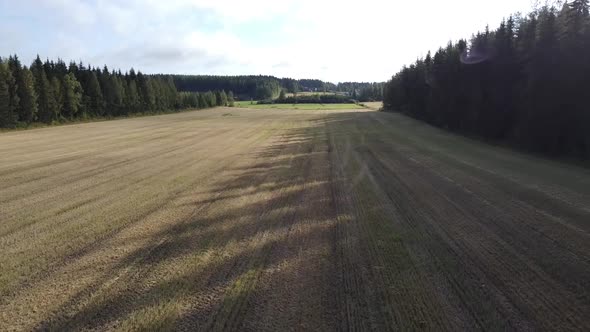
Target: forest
x,y
244,87
50,92
310,99
362,91
524,84
53,91
262,87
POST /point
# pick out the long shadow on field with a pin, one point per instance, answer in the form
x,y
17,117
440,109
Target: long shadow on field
x,y
435,244
261,238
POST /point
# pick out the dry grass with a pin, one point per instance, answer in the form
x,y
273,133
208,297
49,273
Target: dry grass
x,y
246,219
374,105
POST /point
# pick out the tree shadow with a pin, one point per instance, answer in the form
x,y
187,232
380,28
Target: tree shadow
x,y
271,211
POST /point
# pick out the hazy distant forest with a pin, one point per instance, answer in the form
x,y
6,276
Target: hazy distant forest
x,y
270,87
526,83
51,91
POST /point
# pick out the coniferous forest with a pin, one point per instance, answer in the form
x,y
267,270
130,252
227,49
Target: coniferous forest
x,y
50,92
526,83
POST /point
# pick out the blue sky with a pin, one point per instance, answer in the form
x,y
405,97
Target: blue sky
x,y
365,40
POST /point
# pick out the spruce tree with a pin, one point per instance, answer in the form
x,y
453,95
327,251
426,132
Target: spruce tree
x,y
202,101
132,101
28,97
230,98
72,92
57,99
94,101
223,98
107,89
45,100
17,73
218,99
146,93
8,98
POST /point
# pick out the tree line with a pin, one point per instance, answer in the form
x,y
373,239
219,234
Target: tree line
x,y
269,87
244,87
53,91
525,83
362,91
310,99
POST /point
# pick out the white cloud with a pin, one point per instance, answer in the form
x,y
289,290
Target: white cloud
x,y
332,40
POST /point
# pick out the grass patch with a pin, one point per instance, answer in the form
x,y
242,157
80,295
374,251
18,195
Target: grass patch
x,y
247,104
65,122
314,93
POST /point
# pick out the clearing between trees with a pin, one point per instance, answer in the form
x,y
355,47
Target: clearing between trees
x,y
262,219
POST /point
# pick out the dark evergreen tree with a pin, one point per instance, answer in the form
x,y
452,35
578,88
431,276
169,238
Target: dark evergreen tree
x,y
8,97
72,96
94,104
45,101
132,100
28,97
57,95
230,98
146,93
524,83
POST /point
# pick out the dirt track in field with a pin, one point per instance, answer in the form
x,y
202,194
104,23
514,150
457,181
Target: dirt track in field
x,y
236,219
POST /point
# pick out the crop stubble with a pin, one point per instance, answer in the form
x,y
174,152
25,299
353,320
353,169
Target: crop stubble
x,y
286,220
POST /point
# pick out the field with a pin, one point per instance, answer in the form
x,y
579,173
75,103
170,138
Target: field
x,y
247,104
312,93
374,105
250,219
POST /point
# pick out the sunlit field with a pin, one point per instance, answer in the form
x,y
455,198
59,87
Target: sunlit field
x,y
264,219
248,104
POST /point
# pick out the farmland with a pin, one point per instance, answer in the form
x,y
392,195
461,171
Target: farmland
x,y
248,104
264,219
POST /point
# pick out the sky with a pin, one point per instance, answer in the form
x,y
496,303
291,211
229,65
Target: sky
x,y
336,41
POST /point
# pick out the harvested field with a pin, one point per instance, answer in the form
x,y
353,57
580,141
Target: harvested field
x,y
308,107
248,219
374,105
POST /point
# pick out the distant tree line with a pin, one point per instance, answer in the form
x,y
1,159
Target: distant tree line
x,y
244,87
362,91
310,99
205,99
270,87
53,91
526,83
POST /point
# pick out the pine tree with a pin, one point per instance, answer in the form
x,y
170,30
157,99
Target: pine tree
x,y
107,89
28,97
17,73
72,92
124,98
121,86
218,99
57,98
93,98
171,93
202,101
146,93
231,101
117,94
8,98
45,100
210,99
132,100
